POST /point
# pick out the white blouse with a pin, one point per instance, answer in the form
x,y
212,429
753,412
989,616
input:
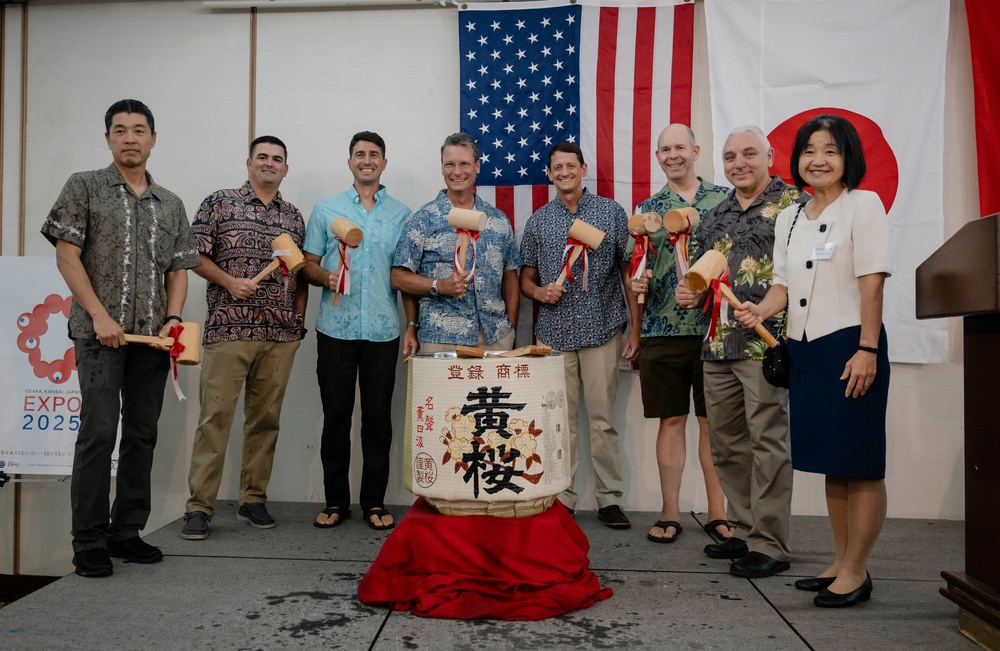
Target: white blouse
x,y
823,292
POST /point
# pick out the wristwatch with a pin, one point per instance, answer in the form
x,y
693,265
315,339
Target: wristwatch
x,y
434,287
415,324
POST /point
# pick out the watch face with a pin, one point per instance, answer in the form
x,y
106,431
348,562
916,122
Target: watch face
x,y
434,288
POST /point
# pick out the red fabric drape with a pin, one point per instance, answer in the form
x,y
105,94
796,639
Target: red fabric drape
x,y
483,567
984,25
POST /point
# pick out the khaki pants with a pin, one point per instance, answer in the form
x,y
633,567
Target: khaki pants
x,y
265,367
748,429
595,370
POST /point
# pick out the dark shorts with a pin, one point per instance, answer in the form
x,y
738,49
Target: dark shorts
x,y
669,368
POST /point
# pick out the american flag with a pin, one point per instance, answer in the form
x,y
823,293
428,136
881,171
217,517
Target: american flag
x,y
607,76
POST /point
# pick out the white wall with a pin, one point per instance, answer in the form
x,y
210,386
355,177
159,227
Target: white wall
x,y
323,75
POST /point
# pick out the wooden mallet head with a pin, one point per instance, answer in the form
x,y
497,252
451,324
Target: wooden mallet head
x,y
709,266
346,232
469,220
680,220
290,255
645,223
190,338
581,231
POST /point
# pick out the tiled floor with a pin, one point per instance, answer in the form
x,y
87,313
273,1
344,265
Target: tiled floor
x,y
295,586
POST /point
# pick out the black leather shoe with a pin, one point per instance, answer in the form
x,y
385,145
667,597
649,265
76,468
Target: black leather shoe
x,y
93,563
135,550
756,565
827,599
613,516
732,548
815,584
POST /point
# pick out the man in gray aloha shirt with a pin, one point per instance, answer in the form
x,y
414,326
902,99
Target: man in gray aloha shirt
x,y
123,245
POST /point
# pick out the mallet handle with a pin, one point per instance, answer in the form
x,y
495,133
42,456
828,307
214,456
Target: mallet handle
x,y
759,328
573,255
149,339
266,271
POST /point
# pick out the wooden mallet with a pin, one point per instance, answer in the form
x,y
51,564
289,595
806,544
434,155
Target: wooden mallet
x,y
464,221
680,223
640,226
588,235
286,251
348,235
710,266
190,340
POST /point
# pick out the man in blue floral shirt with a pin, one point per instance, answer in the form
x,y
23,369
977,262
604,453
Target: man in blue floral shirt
x,y
670,366
453,310
748,418
584,324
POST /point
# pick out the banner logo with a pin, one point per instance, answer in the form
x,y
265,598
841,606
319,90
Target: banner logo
x,y
33,326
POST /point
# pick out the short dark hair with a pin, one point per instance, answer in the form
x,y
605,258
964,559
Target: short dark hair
x,y
569,148
367,136
847,140
268,140
461,140
128,106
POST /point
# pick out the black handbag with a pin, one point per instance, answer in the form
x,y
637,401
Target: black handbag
x,y
777,364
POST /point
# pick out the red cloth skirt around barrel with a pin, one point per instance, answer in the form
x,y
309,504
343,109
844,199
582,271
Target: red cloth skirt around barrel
x,y
483,567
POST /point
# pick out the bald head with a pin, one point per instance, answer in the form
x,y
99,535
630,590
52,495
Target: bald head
x,y
676,153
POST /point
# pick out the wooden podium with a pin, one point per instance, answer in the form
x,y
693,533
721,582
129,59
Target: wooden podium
x,y
961,279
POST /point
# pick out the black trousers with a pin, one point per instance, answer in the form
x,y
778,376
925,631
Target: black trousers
x,y
128,381
371,365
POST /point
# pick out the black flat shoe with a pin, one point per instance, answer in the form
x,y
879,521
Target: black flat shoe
x,y
815,584
732,548
135,550
756,565
827,599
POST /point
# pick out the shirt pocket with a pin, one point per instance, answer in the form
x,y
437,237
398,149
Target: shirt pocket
x,y
164,236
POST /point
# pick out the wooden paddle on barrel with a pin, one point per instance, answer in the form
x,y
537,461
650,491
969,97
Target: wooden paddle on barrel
x,y
472,352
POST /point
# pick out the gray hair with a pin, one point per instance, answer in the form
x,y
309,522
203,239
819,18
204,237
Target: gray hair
x,y
750,128
461,140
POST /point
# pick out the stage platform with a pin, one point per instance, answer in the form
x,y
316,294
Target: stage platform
x,y
295,586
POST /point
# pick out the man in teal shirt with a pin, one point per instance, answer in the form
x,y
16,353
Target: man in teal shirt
x,y
358,339
670,359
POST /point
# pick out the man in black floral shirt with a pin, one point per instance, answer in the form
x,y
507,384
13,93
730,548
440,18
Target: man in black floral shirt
x,y
748,418
123,245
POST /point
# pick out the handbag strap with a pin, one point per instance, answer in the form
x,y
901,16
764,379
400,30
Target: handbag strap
x,y
782,329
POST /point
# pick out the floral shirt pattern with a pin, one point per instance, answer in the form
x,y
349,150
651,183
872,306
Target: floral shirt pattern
x,y
663,317
579,319
427,247
235,229
746,237
128,243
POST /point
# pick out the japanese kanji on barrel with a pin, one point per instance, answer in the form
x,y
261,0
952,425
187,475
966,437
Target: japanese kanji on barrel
x,y
486,436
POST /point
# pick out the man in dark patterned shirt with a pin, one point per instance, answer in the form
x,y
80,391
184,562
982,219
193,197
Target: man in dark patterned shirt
x,y
251,334
584,324
123,244
748,418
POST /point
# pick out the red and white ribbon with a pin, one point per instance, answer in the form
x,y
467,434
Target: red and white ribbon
x,y
572,243
473,236
640,255
175,350
344,282
679,241
718,305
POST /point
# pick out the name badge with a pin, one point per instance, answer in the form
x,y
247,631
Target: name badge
x,y
823,251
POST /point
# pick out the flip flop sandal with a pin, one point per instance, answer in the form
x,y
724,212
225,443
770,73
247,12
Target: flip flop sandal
x,y
712,529
663,524
379,511
332,510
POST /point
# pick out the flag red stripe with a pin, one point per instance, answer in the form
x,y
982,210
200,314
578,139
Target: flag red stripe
x,y
607,47
539,196
681,64
642,108
984,24
505,201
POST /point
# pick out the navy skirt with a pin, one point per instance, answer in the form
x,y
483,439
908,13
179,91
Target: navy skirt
x,y
831,434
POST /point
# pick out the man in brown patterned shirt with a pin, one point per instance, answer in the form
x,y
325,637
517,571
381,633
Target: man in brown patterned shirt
x,y
747,417
123,245
251,334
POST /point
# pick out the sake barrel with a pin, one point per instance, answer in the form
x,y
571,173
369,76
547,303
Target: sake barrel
x,y
486,436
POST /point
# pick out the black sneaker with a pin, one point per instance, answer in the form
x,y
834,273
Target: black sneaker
x,y
93,563
135,550
256,514
195,526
